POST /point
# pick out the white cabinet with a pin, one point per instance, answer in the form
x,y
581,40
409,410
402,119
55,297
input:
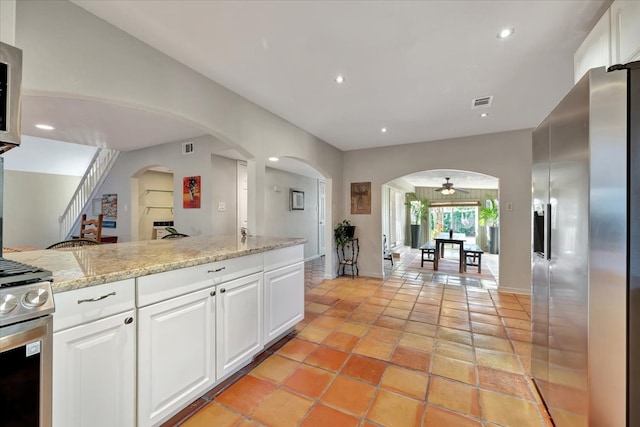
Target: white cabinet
x,y
239,323
595,50
94,359
176,354
283,291
625,31
283,300
615,39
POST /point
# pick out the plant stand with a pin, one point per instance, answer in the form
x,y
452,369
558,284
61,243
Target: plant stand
x,y
348,257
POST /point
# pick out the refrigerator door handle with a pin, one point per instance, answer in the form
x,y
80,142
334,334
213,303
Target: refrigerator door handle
x,y
547,231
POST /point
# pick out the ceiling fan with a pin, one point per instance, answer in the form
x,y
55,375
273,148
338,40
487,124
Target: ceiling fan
x,y
447,188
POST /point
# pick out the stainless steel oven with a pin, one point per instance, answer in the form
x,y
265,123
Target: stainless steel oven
x,y
26,334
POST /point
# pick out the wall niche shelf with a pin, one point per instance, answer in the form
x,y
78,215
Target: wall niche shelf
x,y
157,191
158,207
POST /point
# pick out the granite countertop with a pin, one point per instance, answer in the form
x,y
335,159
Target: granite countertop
x,y
96,265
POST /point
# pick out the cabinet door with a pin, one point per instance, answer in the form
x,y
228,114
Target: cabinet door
x,y
94,373
283,300
595,50
175,354
625,31
238,323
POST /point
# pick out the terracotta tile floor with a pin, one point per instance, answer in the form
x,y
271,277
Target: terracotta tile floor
x,y
394,352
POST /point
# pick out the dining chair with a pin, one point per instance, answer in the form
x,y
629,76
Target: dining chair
x,y
73,243
91,228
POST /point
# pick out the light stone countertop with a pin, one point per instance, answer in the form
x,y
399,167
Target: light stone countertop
x,y
96,265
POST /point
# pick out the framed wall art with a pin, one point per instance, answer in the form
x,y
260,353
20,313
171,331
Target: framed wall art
x,y
110,206
191,192
361,198
297,200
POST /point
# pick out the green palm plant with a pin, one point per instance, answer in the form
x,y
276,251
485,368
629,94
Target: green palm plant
x,y
489,214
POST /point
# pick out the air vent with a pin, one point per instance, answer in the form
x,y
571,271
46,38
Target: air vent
x,y
483,102
187,147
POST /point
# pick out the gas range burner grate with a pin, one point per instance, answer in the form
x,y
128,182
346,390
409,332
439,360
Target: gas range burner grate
x,y
13,273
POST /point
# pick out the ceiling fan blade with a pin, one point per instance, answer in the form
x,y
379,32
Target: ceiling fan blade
x,y
462,190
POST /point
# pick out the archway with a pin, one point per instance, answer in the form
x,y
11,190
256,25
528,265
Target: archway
x,y
310,217
457,204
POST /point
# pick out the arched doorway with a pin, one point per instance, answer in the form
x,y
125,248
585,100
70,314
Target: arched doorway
x,y
453,201
309,218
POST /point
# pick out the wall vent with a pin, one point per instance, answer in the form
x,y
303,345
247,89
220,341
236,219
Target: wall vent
x,y
187,147
483,102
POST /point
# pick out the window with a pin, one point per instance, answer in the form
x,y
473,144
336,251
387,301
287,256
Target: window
x,y
460,218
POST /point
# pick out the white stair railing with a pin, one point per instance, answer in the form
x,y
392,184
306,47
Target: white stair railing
x,y
95,175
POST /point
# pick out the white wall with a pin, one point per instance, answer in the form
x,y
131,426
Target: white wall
x,y
224,189
281,221
32,204
218,183
69,52
505,155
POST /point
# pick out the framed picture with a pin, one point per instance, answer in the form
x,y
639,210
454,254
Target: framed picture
x,y
191,192
110,206
361,198
297,200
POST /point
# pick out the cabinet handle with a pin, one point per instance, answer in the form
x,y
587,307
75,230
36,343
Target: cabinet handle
x,y
217,270
223,290
128,320
212,293
80,301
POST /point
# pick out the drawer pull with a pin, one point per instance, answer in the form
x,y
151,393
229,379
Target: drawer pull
x,y
128,320
212,293
223,290
80,301
217,270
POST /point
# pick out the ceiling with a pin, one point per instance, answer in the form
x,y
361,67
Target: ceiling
x,y
412,67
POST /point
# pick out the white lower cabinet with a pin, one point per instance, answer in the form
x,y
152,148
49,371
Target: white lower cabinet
x,y
94,373
283,300
176,354
239,323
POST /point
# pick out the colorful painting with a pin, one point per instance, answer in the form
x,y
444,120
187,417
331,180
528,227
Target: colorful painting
x,y
361,198
110,206
191,192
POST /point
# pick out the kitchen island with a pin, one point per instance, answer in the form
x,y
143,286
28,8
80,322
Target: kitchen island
x,y
142,329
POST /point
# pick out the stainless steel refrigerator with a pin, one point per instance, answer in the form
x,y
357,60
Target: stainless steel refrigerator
x,y
586,252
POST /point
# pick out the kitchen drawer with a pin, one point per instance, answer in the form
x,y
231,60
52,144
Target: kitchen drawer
x,y
170,284
279,258
96,302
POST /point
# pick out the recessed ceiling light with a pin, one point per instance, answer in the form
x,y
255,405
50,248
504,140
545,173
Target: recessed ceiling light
x,y
339,79
273,159
484,114
45,127
503,34
383,130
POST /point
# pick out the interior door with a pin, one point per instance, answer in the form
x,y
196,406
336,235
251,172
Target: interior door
x,y
322,196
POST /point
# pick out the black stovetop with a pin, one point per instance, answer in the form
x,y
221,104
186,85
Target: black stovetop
x,y
13,273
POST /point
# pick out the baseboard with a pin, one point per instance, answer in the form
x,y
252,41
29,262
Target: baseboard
x,y
312,257
511,290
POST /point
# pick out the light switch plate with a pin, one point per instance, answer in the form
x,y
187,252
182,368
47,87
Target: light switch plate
x,y
221,207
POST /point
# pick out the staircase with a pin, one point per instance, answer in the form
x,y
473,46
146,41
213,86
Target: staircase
x,y
93,178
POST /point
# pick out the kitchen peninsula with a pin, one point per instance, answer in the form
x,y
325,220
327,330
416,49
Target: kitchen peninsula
x,y
141,329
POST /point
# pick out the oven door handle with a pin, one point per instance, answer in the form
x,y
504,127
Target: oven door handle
x,y
80,301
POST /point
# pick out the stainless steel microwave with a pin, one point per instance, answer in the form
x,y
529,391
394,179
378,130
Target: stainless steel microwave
x,y
10,96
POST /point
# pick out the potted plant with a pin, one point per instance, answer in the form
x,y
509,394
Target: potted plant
x,y
419,213
343,233
488,215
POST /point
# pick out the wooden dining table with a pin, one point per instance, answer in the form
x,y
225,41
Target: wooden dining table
x,y
441,240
